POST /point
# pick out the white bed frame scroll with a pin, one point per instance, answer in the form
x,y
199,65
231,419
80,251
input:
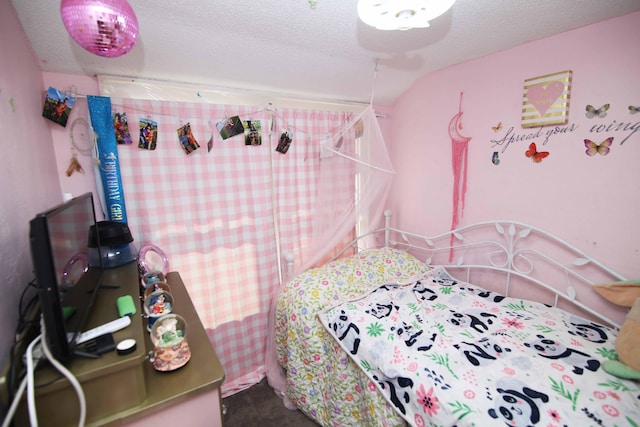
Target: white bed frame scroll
x,y
522,254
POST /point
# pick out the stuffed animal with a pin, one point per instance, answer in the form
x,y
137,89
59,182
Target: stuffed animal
x,y
627,294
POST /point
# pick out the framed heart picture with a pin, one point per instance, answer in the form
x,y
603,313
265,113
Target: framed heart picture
x,y
546,100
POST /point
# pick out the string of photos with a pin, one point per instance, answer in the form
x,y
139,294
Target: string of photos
x,y
249,130
59,104
147,137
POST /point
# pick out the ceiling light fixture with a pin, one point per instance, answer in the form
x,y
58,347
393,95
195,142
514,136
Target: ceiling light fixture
x,y
103,27
401,14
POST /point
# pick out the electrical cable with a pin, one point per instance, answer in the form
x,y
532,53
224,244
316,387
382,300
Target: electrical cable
x,y
31,396
20,334
64,371
28,383
14,403
23,311
23,385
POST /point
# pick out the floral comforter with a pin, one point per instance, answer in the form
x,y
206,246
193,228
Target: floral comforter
x,y
446,353
322,380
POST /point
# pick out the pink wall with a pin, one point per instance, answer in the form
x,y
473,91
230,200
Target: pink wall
x,y
593,202
27,171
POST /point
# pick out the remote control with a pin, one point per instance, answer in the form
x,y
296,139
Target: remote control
x,y
109,327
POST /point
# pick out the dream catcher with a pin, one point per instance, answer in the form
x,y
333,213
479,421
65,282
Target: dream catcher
x,y
83,141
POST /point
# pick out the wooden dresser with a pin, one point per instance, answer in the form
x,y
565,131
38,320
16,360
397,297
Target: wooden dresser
x,y
126,389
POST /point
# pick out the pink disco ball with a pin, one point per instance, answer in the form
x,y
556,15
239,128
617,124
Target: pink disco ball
x,y
104,27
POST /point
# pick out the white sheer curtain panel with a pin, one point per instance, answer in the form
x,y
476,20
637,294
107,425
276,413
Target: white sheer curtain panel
x,y
352,176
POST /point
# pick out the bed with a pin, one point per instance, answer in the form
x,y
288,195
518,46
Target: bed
x,y
489,324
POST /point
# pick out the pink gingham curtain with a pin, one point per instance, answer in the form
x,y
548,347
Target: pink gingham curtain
x,y
220,215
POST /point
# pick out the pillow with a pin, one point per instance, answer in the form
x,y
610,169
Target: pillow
x,y
348,277
622,293
383,265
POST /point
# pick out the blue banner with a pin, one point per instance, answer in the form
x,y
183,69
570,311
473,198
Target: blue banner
x,y
102,123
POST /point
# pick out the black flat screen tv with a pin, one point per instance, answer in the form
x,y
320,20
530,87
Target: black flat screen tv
x,y
67,284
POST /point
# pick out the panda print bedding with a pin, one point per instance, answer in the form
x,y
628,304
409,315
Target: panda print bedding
x,y
443,352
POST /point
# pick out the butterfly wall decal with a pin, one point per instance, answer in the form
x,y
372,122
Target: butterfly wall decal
x,y
602,148
593,112
534,154
634,109
495,158
497,127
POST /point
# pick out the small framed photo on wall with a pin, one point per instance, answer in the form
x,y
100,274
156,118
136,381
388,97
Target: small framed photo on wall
x,y
58,105
546,100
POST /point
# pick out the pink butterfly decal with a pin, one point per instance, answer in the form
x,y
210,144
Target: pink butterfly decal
x,y
602,148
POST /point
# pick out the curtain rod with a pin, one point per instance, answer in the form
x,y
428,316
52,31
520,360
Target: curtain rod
x,y
110,84
232,90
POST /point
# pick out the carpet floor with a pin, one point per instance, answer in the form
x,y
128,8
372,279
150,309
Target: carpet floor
x,y
260,406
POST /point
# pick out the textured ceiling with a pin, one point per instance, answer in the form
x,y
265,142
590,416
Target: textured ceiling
x,y
289,47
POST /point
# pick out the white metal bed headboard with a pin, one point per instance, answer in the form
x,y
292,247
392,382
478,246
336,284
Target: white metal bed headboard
x,y
520,253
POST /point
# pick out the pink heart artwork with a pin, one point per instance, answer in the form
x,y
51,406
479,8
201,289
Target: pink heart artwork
x,y
543,97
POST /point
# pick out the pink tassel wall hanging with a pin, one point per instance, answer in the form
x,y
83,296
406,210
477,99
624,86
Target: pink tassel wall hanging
x,y
459,152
